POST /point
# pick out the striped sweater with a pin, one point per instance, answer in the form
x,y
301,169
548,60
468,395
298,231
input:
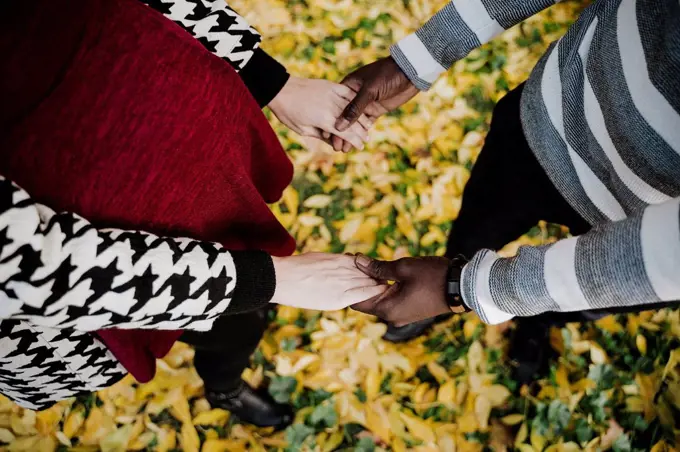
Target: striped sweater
x,y
601,112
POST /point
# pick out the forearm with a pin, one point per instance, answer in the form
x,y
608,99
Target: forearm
x,y
632,262
458,28
57,270
226,34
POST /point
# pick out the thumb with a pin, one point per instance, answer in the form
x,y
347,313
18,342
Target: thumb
x,y
378,270
354,109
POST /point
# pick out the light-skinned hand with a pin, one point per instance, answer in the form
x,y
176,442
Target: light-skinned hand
x,y
311,106
321,281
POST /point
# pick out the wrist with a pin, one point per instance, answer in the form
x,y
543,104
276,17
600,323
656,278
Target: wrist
x,y
279,265
282,98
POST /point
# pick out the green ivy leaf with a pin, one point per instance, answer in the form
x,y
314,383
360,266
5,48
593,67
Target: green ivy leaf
x,y
324,416
281,388
558,415
622,444
365,444
296,435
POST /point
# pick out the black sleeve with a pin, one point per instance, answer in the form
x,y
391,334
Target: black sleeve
x,y
264,77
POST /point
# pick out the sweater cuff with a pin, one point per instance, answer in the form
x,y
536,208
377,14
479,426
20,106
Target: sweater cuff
x,y
255,281
476,290
264,77
414,59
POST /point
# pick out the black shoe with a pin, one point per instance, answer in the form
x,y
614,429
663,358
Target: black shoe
x,y
251,406
412,330
530,352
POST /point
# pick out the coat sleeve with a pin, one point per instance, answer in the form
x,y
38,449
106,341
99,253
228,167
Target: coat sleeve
x,y
632,262
59,271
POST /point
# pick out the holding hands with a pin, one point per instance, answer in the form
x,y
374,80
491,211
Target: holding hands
x,y
310,107
342,114
322,281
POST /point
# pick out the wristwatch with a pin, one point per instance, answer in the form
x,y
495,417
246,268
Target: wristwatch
x,y
453,295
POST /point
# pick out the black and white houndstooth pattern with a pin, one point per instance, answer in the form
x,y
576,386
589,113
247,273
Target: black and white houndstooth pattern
x,y
218,27
60,278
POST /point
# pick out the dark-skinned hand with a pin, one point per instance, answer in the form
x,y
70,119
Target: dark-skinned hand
x,y
381,87
418,291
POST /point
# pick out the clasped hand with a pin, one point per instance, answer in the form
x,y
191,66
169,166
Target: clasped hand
x,y
328,282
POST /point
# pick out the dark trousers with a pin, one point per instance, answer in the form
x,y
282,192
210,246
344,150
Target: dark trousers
x,y
509,193
224,352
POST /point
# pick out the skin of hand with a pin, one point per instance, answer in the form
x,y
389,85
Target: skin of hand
x,y
418,292
322,281
381,87
311,106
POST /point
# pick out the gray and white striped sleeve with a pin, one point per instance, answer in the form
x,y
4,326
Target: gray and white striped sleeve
x,y
630,262
454,31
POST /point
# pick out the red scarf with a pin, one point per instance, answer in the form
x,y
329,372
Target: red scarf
x,y
116,113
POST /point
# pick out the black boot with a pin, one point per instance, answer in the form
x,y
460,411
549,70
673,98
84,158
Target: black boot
x,y
530,351
251,406
412,330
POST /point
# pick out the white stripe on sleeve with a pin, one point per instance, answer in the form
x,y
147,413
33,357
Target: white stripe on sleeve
x,y
651,104
560,276
551,88
475,16
417,54
660,234
483,291
598,127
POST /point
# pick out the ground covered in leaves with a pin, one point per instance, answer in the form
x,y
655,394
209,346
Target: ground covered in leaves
x,y
615,384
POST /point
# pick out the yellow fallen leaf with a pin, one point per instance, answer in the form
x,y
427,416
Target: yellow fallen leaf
x,y
446,443
333,441
537,440
188,438
522,435
25,444
377,421
497,395
97,426
215,416
512,419
372,383
317,201
597,354
447,393
438,372
117,440
418,428
24,424
482,410
6,436
641,343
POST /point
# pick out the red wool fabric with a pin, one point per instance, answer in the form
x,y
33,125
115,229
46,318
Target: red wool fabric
x,y
116,113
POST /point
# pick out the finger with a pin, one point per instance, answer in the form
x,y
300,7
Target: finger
x,y
337,143
360,294
354,109
326,135
352,137
348,147
365,122
379,270
353,82
344,91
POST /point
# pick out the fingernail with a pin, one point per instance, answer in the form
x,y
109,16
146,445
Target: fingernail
x,y
363,261
342,125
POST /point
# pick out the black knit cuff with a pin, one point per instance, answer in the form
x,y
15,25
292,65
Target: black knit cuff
x,y
255,281
264,77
